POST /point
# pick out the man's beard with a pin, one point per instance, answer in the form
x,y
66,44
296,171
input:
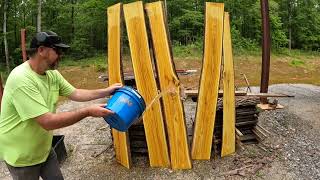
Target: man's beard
x,y
54,65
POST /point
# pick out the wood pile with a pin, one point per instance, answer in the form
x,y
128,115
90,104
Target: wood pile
x,y
247,130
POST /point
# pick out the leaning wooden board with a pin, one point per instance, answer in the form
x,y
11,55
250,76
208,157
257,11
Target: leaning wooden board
x,y
229,114
120,139
146,84
170,84
209,82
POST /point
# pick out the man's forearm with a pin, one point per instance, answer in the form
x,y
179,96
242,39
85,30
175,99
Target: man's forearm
x,y
50,121
82,95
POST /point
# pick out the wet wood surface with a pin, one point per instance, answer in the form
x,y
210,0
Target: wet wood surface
x,y
170,85
229,115
120,139
209,82
146,84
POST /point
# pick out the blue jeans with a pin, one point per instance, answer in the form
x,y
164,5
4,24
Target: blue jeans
x,y
48,170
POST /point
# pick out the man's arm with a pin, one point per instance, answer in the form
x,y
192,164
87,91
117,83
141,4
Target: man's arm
x,y
82,95
51,121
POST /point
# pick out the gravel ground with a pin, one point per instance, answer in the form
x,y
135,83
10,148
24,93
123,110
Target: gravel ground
x,y
291,150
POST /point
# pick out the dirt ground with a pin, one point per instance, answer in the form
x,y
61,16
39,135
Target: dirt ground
x,y
291,150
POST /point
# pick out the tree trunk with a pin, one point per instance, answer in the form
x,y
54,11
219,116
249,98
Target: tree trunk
x,y
1,90
5,34
289,25
39,17
72,18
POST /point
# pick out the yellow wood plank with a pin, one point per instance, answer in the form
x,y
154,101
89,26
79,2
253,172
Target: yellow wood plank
x,y
229,114
146,84
120,139
169,82
209,82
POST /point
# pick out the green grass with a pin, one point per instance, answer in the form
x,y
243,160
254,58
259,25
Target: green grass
x,y
99,62
296,63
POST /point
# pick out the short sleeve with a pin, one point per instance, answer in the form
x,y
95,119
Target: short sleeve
x,y
65,88
29,103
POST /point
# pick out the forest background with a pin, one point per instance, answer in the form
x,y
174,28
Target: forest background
x,y
295,26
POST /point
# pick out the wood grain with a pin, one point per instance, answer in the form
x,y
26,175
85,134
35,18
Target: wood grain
x,y
120,139
229,114
209,82
170,84
146,84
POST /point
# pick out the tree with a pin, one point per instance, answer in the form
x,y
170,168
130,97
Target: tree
x,y
5,9
39,17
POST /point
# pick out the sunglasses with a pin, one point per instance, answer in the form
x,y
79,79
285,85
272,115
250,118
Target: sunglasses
x,y
57,50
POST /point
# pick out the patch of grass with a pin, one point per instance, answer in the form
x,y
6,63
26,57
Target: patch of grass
x,y
98,62
192,50
296,63
295,52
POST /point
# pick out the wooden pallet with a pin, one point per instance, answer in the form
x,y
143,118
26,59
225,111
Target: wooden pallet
x,y
146,84
170,85
209,82
120,139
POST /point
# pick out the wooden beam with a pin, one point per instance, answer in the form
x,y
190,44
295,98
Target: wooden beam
x,y
120,139
169,82
23,44
229,109
146,84
194,93
209,82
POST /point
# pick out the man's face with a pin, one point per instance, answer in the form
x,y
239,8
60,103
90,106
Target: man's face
x,y
52,56
55,57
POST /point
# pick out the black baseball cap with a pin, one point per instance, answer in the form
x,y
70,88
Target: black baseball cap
x,y
48,39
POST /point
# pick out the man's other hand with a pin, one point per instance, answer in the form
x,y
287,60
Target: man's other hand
x,y
98,111
111,89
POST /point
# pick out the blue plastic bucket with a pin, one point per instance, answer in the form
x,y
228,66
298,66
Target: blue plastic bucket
x,y
127,105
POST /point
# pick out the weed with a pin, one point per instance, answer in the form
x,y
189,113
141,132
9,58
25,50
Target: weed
x,y
259,174
297,63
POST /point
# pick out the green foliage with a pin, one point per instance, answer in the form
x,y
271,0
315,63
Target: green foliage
x,y
190,50
296,62
83,25
80,48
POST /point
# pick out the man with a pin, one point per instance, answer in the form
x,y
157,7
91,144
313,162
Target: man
x,y
28,110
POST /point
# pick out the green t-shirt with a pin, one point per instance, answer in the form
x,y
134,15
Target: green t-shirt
x,y
23,142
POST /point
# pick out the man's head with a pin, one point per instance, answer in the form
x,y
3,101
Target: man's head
x,y
47,45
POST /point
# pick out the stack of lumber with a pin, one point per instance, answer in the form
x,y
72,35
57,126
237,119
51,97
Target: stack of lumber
x,y
246,120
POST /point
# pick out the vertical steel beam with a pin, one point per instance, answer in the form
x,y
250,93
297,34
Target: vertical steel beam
x,y
265,49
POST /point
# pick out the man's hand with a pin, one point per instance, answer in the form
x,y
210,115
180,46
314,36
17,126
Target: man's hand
x,y
111,89
50,121
98,111
82,95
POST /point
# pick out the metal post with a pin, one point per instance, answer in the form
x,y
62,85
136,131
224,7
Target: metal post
x,y
23,45
265,49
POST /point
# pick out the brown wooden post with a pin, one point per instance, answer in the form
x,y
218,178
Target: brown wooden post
x,y
265,49
23,44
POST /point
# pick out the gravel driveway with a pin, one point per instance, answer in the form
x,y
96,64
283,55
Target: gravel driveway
x,y
291,151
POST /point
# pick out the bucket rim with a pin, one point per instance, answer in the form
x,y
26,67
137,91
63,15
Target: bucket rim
x,y
129,90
